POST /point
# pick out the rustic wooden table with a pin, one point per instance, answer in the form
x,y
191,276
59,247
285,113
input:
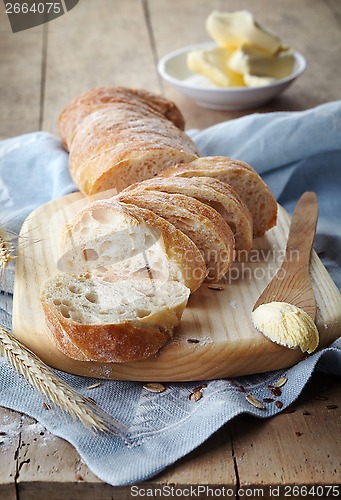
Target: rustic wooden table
x,y
116,42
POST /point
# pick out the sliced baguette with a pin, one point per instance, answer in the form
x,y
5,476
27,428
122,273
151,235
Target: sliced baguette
x,y
213,192
101,97
92,320
200,222
115,240
244,180
121,138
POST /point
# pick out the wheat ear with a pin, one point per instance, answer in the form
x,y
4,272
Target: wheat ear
x,y
41,377
6,249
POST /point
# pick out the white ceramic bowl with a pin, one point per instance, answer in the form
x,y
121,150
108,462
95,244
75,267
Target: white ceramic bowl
x,y
173,69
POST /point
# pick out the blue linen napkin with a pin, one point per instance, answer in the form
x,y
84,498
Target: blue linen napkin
x,y
294,152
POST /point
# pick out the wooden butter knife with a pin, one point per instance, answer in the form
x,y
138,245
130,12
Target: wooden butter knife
x,y
292,283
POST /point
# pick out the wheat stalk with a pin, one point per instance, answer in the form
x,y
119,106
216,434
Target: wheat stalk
x,y
38,373
41,377
6,249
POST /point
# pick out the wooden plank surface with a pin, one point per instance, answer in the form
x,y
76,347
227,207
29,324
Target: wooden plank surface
x,y
34,89
98,43
20,83
10,425
246,453
308,432
228,344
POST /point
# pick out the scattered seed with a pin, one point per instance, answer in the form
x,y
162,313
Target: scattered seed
x,y
46,406
200,388
321,398
195,396
298,434
78,477
331,407
290,410
279,404
276,391
218,288
254,402
281,382
196,389
92,401
242,389
93,386
268,400
154,387
193,341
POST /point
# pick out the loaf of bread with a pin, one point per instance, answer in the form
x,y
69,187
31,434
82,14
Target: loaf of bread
x,y
212,192
94,320
99,98
243,179
201,223
118,136
114,241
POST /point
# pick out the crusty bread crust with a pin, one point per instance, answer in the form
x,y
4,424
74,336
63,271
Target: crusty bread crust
x,y
58,334
212,192
104,343
100,97
244,180
118,145
117,136
200,222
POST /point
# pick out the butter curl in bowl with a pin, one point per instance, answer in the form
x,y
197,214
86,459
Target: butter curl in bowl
x,y
245,66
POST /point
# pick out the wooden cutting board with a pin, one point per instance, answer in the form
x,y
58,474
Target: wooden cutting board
x,y
216,337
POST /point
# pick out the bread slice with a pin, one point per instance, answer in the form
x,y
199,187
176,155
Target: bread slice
x,y
92,320
113,240
213,192
201,223
244,180
119,136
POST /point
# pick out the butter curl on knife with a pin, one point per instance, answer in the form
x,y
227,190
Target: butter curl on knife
x,y
287,325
